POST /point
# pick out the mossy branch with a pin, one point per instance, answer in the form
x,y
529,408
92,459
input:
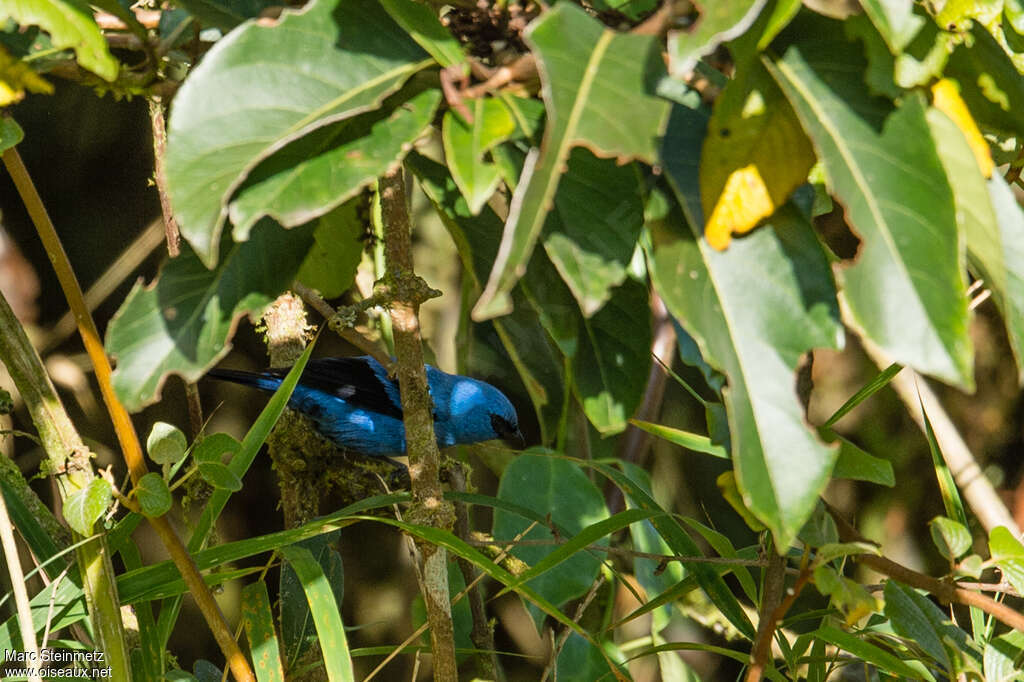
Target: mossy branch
x,y
429,506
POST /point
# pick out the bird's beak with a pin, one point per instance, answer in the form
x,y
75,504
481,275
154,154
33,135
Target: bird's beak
x,y
515,440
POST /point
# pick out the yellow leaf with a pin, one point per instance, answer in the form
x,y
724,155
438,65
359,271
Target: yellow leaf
x,y
16,77
946,98
755,154
743,203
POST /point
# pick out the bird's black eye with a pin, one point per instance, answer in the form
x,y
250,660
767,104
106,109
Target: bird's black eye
x,y
503,427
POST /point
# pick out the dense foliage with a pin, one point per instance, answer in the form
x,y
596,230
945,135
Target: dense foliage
x,y
639,196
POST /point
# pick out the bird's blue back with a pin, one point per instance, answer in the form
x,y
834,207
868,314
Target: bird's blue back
x,y
354,403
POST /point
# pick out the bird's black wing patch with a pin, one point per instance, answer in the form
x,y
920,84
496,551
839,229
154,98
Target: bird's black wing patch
x,y
351,379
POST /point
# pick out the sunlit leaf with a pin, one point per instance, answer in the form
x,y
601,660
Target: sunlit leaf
x,y
84,507
264,86
71,25
755,155
906,290
587,72
946,98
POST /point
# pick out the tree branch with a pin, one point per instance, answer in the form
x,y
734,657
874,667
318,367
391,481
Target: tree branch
x,y
429,506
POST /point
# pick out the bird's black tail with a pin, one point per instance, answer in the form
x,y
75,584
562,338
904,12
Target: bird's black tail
x,y
264,382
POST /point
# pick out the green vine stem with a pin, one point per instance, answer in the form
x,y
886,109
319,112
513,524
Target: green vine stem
x,y
429,507
69,458
128,439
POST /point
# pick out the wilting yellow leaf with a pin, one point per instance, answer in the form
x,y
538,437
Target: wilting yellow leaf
x,y
743,203
946,98
16,77
755,154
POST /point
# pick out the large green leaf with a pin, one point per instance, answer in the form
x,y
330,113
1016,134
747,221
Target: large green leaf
x,y
262,87
915,617
317,173
906,290
555,487
71,25
591,234
992,222
588,72
753,333
614,358
183,322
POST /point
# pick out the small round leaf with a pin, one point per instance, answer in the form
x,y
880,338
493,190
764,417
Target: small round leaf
x,y
154,495
166,443
951,537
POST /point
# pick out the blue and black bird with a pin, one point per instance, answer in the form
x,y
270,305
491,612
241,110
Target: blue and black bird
x,y
356,405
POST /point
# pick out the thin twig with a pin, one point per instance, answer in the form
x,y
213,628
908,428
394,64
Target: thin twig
x,y
20,589
947,592
564,637
156,121
482,635
773,609
317,303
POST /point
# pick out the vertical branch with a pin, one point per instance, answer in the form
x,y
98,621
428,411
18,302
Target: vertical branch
x,y
429,507
156,120
20,589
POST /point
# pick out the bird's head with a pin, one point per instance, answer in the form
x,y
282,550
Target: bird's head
x,y
481,412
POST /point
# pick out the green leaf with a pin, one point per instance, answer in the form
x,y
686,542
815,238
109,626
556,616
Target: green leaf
x,y
219,476
587,71
326,615
865,650
330,266
880,381
681,543
895,20
70,25
298,631
166,443
10,133
999,259
259,630
752,333
690,441
906,291
591,234
947,486
183,322
213,447
992,221
424,26
719,21
1008,553
84,507
856,463
835,550
465,145
329,166
262,87
223,14
581,660
654,578
552,486
989,82
154,495
1003,656
950,537
610,370
915,617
